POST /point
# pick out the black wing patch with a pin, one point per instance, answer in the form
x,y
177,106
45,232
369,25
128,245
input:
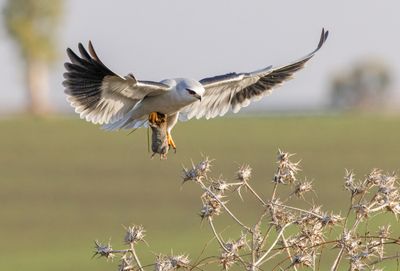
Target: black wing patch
x,y
84,77
276,76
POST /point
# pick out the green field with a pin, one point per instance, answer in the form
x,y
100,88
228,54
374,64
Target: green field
x,y
65,182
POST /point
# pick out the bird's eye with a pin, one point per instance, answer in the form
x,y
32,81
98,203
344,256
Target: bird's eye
x,y
191,92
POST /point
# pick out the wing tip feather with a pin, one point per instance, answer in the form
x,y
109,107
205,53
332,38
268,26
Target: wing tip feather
x,y
322,39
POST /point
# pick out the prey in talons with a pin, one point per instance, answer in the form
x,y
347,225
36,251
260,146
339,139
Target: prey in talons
x,y
161,139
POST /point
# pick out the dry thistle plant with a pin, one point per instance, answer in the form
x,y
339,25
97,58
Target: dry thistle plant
x,y
285,237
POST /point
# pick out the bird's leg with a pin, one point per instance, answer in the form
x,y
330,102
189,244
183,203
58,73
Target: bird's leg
x,y
171,142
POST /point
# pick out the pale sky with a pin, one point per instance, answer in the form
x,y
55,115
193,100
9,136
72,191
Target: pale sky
x,y
156,40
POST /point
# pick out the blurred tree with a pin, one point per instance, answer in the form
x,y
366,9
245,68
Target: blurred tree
x,y
32,24
363,87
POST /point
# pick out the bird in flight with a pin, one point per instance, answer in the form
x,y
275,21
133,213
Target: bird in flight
x,y
123,102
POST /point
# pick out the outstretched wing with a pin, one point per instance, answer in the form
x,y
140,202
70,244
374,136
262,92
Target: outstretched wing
x,y
237,90
98,94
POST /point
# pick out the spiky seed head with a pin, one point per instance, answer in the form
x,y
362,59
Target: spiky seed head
x,y
134,234
180,261
204,166
384,231
169,263
235,246
103,250
126,263
374,177
163,263
302,260
227,260
361,210
280,216
197,172
301,188
211,206
287,170
349,178
331,220
231,254
244,173
219,186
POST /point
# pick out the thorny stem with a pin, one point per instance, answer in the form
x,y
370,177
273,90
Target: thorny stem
x,y
253,250
297,209
128,268
283,237
122,251
266,235
136,257
357,222
255,194
287,249
348,214
216,235
362,196
313,246
337,260
205,261
274,191
199,260
279,264
320,257
224,206
339,256
396,256
271,257
235,184
281,248
272,245
314,257
379,208
393,241
354,226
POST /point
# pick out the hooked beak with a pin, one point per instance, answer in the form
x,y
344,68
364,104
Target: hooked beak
x,y
197,96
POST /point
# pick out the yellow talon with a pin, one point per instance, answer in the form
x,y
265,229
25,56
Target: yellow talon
x,y
157,118
153,117
171,142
